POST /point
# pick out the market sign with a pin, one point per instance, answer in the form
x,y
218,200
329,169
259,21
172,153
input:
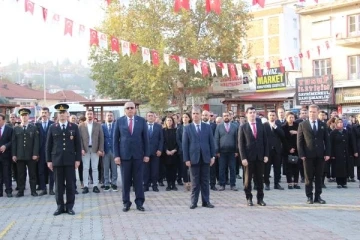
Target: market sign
x,y
271,79
315,90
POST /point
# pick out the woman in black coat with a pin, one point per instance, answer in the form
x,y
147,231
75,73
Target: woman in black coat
x,y
170,156
341,141
290,148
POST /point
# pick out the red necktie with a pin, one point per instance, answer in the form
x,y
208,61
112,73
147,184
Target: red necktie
x,y
0,132
130,126
254,129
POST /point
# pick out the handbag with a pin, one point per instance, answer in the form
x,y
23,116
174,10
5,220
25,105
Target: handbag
x,y
293,159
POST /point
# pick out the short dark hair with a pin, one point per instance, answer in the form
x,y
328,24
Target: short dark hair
x,y
250,108
110,112
289,113
150,112
271,111
3,117
45,109
322,112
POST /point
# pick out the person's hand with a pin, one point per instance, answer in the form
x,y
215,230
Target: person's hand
x,y
168,153
77,164
99,153
14,158
212,161
173,152
188,163
236,154
34,158
158,153
266,159
83,152
146,159
292,150
3,148
244,162
50,166
356,154
326,158
303,158
117,161
293,132
218,155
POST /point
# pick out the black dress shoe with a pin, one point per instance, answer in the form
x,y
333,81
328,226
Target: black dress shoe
x,y
140,208
297,187
96,189
250,202
213,188
76,192
155,189
161,184
343,186
146,189
193,206
38,188
309,200
51,192
208,205
338,186
290,187
180,183
58,211
261,203
42,193
278,187
85,190
34,194
9,195
267,187
126,207
319,200
1,195
19,194
174,188
168,188
70,212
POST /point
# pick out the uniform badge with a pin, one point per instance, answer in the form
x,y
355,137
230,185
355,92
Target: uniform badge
x,y
71,135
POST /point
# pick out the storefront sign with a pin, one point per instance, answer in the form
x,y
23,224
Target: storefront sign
x,y
228,84
271,79
315,90
350,109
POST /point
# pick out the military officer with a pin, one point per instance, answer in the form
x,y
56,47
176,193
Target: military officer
x,y
25,151
63,155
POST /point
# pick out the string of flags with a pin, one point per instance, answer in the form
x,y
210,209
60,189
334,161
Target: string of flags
x,y
151,56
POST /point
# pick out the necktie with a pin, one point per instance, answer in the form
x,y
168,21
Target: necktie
x,y
109,127
24,128
0,132
227,127
314,126
198,128
150,129
63,127
254,129
130,125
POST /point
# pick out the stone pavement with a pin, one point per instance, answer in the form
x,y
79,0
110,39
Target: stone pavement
x,y
167,216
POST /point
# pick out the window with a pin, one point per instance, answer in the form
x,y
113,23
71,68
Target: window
x,y
354,67
354,25
295,42
321,29
295,23
322,67
297,63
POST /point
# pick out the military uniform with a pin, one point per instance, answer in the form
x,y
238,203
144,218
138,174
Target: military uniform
x,y
25,145
63,148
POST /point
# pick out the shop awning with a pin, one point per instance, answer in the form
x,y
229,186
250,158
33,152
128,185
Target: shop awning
x,y
263,97
347,95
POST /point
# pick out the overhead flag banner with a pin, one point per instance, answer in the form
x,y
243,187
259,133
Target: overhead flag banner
x,y
272,79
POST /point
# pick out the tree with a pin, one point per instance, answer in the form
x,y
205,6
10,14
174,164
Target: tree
x,y
192,34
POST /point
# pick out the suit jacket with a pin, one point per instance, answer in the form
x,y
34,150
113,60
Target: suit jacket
x,y
312,145
5,140
135,145
108,137
226,141
24,145
193,143
97,137
252,148
275,137
156,140
278,122
43,134
63,148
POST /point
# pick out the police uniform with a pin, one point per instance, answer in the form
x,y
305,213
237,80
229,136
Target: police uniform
x,y
63,148
25,145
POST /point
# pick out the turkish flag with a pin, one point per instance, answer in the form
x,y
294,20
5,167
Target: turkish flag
x,y
204,69
29,6
68,26
181,4
108,2
221,65
258,70
155,57
292,63
301,55
193,61
246,65
133,47
308,53
44,13
213,5
260,2
232,71
282,69
175,57
115,44
94,38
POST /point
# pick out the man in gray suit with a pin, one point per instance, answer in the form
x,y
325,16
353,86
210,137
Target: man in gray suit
x,y
227,150
199,155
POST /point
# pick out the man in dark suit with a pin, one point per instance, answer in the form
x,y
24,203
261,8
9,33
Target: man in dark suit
x,y
108,159
44,172
280,116
303,115
214,169
25,151
5,157
131,150
63,156
313,144
275,136
254,152
199,154
156,142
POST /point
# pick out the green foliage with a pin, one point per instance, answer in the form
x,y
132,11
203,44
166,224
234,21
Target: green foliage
x,y
192,34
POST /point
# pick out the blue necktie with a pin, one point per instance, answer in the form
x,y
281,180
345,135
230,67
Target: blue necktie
x,y
151,130
198,128
314,127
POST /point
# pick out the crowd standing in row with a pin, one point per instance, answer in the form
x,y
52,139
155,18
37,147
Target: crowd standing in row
x,y
195,150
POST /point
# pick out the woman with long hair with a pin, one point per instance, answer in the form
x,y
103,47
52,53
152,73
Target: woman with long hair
x,y
185,120
170,156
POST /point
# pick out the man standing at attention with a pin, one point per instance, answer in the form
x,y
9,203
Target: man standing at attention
x,y
254,152
313,144
92,145
63,155
199,155
131,150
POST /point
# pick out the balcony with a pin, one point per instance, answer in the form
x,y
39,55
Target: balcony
x,y
348,40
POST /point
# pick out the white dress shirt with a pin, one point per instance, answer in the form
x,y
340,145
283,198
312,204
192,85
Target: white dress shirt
x,y
90,127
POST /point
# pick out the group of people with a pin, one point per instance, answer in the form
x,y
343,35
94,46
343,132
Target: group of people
x,y
195,150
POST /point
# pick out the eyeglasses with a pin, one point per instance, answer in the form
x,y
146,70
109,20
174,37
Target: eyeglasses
x,y
211,115
128,108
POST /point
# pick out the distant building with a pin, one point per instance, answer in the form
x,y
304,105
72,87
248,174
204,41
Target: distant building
x,y
54,89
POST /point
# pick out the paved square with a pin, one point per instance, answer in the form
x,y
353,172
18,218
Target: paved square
x,y
167,216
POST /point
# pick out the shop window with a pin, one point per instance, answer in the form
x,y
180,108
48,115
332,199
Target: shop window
x,y
322,67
